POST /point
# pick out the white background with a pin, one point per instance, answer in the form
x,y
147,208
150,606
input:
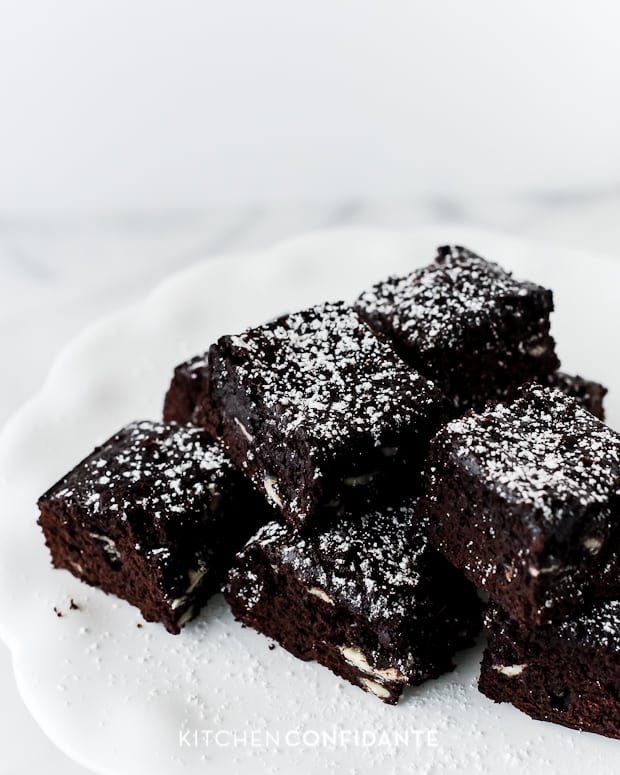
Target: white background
x,y
142,104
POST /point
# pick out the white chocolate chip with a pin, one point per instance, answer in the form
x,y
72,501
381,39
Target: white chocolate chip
x,y
510,670
537,350
244,430
108,545
185,617
355,658
320,594
178,602
592,544
548,569
269,484
390,674
77,567
375,688
195,577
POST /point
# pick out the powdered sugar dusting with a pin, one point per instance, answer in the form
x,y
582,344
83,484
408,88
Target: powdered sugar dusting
x,y
194,367
324,374
159,468
599,626
379,575
542,449
373,565
435,306
588,393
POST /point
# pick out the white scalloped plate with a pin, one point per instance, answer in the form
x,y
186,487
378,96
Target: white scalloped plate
x,y
127,699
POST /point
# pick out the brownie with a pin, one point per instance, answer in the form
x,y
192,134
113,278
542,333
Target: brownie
x,y
188,384
568,674
155,516
370,599
323,416
524,498
467,324
589,394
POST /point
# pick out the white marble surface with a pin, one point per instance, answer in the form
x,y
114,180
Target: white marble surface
x,y
59,275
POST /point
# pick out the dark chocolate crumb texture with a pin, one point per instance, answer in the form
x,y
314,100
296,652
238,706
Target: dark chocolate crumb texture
x,y
467,324
321,414
524,498
568,674
154,515
370,599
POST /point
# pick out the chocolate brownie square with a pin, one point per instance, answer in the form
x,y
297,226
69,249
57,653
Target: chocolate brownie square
x,y
369,599
589,394
183,396
524,498
466,324
154,516
321,414
568,674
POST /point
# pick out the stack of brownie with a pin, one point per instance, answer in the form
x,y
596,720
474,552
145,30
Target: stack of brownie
x,y
524,498
289,469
